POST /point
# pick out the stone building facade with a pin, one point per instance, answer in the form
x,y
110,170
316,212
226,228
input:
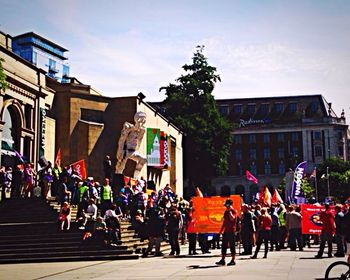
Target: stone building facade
x,y
89,126
25,126
272,135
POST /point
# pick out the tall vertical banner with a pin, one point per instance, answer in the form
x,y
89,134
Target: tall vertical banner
x,y
297,195
80,168
153,146
208,213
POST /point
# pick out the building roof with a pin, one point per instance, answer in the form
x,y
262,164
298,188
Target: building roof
x,y
32,34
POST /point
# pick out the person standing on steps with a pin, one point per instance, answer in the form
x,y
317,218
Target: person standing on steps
x,y
228,229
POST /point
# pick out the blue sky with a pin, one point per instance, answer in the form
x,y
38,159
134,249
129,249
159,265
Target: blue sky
x,y
260,48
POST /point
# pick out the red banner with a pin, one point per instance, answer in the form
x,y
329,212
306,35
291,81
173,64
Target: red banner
x,y
311,223
79,167
209,212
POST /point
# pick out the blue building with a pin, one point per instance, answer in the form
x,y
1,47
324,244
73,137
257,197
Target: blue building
x,y
42,53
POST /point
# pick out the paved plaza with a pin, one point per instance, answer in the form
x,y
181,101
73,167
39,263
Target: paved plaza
x,y
278,265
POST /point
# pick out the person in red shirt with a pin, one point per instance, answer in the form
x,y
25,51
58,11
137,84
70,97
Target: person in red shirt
x,y
264,232
228,229
328,230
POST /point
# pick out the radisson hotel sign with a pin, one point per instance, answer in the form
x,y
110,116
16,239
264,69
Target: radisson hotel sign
x,y
244,123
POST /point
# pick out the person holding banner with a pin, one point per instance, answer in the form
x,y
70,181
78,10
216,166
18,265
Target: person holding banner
x,y
228,229
328,230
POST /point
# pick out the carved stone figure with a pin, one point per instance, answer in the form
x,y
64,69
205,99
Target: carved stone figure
x,y
129,143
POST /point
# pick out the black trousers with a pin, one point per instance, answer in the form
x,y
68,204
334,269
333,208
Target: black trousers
x,y
263,237
192,240
174,241
228,240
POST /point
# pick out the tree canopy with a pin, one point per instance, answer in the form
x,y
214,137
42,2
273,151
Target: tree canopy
x,y
3,83
190,104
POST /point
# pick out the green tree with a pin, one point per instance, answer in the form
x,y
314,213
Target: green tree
x,y
189,103
3,83
339,179
307,188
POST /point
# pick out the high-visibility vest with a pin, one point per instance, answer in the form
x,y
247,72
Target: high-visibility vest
x,y
106,193
282,219
82,189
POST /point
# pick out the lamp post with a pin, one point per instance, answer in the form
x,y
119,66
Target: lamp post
x,y
328,180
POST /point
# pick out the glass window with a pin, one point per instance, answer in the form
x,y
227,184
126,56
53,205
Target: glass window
x,y
317,135
237,139
279,107
252,153
295,151
266,138
318,151
252,139
292,107
238,154
280,137
35,58
52,64
264,108
280,153
281,168
237,109
224,110
295,136
267,153
341,151
267,168
314,107
253,169
239,169
251,109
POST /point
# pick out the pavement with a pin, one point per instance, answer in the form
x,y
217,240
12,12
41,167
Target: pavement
x,y
278,265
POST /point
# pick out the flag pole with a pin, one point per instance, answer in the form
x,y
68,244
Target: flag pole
x,y
316,184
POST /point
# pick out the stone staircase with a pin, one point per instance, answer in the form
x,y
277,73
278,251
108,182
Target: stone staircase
x,y
128,236
29,233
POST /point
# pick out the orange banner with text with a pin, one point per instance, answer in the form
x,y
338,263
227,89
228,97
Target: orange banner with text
x,y
208,213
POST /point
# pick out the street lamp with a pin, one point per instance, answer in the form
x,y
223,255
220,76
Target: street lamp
x,y
328,180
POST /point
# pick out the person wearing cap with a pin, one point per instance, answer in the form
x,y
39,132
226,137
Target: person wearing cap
x,y
228,229
328,230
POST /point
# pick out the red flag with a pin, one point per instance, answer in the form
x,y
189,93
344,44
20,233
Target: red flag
x,y
276,198
58,157
198,192
265,196
313,174
79,167
250,177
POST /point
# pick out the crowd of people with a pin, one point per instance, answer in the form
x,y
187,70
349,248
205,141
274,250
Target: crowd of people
x,y
162,215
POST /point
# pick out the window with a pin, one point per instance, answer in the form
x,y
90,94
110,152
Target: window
x,y
237,109
280,137
252,139
224,110
267,168
267,153
318,151
251,109
28,115
252,153
239,169
253,169
295,151
237,139
279,107
341,151
292,107
314,107
91,115
280,153
238,154
281,168
35,58
266,138
317,135
295,136
264,108
52,64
